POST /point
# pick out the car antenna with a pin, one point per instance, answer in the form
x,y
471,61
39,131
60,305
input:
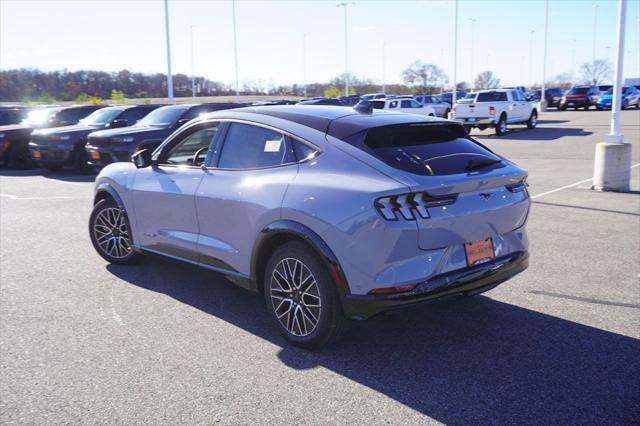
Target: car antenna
x,y
364,107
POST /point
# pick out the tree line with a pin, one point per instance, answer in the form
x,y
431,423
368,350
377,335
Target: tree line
x,y
32,85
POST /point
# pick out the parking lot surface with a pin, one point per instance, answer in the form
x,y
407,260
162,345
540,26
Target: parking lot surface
x,y
82,341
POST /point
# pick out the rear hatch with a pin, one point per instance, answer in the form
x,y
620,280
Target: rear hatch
x,y
460,191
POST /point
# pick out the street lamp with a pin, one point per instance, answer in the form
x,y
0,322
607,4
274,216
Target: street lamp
x,y
543,100
193,75
473,37
595,28
455,58
235,47
612,164
344,6
304,64
169,76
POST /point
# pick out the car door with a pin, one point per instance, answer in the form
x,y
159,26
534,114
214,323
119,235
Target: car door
x,y
164,194
241,193
517,105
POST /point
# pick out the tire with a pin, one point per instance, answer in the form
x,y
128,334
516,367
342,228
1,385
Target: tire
x,y
533,120
501,125
467,129
19,157
110,233
446,113
638,104
317,301
53,167
625,105
80,160
562,108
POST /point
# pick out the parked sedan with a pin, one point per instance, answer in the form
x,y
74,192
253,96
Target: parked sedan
x,y
111,145
441,107
64,146
404,105
630,97
330,213
14,139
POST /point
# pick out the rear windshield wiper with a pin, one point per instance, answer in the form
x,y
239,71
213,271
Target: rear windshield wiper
x,y
480,164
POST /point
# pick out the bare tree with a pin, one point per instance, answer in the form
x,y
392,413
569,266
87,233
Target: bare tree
x,y
563,81
424,77
596,72
486,80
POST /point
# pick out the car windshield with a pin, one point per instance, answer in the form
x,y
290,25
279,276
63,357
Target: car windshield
x,y
162,117
425,149
101,117
579,91
39,117
468,98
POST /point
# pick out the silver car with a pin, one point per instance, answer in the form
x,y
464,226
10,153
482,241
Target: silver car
x,y
333,214
441,107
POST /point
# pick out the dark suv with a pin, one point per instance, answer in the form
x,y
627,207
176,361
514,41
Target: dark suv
x,y
580,97
64,146
112,145
553,95
14,139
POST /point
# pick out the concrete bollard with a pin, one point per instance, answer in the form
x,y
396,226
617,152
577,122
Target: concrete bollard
x,y
612,167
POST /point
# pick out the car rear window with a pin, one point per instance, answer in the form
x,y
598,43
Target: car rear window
x,y
428,149
492,97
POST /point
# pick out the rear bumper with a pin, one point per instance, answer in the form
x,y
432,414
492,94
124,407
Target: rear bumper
x,y
570,103
476,279
476,121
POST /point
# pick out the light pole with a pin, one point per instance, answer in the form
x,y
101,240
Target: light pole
x,y
304,64
169,76
193,75
595,28
235,48
531,56
344,6
455,59
473,38
543,99
612,164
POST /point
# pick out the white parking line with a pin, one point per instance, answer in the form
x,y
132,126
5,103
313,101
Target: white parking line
x,y
17,197
569,186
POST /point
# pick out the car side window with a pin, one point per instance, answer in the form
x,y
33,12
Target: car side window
x,y
393,104
192,150
405,104
251,147
414,104
132,115
302,150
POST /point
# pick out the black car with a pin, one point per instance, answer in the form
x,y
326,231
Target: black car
x,y
113,145
447,96
60,147
14,139
12,114
553,95
322,101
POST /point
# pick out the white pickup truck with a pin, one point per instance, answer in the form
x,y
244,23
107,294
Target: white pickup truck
x,y
495,108
403,105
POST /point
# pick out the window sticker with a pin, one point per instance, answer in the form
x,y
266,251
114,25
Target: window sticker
x,y
272,146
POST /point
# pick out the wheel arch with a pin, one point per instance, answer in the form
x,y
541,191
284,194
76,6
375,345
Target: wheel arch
x,y
282,231
105,190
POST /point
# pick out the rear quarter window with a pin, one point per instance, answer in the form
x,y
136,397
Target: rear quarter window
x,y
424,148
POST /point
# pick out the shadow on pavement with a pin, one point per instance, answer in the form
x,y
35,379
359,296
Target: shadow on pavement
x,y
472,360
537,134
63,175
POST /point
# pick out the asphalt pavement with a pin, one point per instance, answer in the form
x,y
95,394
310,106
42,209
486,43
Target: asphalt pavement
x,y
84,342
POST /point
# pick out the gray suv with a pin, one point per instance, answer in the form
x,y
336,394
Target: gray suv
x,y
332,213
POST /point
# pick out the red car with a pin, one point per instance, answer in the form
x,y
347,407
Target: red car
x,y
580,97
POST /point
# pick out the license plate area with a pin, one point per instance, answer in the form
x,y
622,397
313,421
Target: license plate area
x,y
480,251
471,120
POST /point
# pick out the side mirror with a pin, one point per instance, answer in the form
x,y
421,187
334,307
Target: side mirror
x,y
142,158
182,122
118,123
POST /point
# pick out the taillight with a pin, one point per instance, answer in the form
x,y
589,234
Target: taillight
x,y
518,187
492,110
407,206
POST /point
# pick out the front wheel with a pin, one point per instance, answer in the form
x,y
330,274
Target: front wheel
x,y
19,157
110,233
501,126
302,299
533,120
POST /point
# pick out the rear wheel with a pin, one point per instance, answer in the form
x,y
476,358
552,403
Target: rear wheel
x,y
533,120
301,297
501,126
625,104
110,233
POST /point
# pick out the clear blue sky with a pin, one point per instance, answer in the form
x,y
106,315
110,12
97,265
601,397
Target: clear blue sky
x,y
117,34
